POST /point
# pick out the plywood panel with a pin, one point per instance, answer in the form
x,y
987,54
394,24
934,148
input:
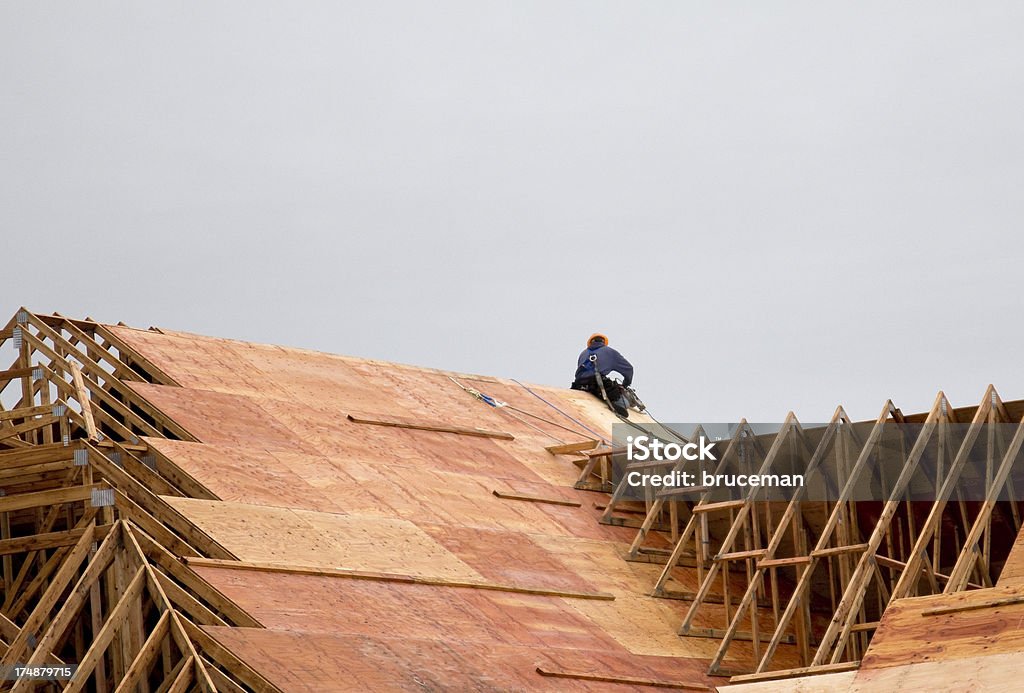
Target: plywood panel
x,y
435,496
1000,672
331,434
318,604
508,557
645,626
906,636
439,497
330,385
307,487
246,475
339,484
222,418
1013,570
602,564
203,363
319,662
340,382
307,538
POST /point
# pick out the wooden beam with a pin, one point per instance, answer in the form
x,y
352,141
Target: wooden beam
x,y
200,588
756,580
30,425
123,348
13,374
23,501
26,412
41,611
13,476
718,633
838,550
695,527
536,499
390,577
131,510
101,392
606,452
569,448
39,454
84,400
861,627
143,474
93,348
908,580
187,603
739,521
887,562
740,555
221,680
50,540
833,642
101,640
155,506
66,390
210,646
186,645
183,681
617,678
171,674
958,576
798,598
27,594
987,604
402,422
783,562
111,381
76,600
140,665
794,673
114,445
721,505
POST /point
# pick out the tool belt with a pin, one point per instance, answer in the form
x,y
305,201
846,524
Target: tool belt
x,y
589,384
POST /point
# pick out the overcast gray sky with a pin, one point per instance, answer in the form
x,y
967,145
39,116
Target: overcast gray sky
x,y
767,206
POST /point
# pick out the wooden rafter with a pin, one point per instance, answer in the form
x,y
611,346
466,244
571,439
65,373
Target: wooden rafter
x,y
89,549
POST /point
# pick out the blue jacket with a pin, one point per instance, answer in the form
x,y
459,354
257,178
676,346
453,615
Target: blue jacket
x,y
608,360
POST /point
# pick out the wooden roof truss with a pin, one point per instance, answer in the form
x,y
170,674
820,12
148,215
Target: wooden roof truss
x,y
90,551
816,575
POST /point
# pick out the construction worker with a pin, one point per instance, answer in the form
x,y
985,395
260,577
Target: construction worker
x,y
600,358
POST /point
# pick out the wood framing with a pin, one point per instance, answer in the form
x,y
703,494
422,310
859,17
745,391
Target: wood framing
x,y
819,574
123,551
89,548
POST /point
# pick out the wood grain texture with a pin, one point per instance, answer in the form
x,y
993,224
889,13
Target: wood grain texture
x,y
301,484
994,673
821,683
304,537
423,425
906,636
338,662
1013,570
